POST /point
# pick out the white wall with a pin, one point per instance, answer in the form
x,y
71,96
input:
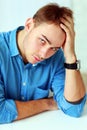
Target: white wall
x,y
80,18
15,12
80,15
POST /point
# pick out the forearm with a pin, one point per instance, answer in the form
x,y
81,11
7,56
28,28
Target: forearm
x,y
74,85
30,108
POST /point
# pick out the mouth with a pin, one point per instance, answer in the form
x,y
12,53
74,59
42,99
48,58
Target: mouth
x,y
36,58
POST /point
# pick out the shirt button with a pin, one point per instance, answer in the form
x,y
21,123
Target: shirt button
x,y
22,97
24,84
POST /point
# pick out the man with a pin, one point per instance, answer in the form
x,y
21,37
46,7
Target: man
x,y
38,58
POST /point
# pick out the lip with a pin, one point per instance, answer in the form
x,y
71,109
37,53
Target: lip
x,y
36,58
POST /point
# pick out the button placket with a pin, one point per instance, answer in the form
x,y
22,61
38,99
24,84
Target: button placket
x,y
24,83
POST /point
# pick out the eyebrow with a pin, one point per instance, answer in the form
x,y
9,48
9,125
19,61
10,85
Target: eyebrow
x,y
47,39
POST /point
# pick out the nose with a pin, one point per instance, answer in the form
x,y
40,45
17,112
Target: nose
x,y
43,53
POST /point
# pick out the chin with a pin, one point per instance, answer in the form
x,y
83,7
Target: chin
x,y
32,62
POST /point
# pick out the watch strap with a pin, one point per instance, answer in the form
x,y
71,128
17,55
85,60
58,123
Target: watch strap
x,y
73,66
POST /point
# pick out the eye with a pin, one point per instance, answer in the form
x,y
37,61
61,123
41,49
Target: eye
x,y
42,41
55,49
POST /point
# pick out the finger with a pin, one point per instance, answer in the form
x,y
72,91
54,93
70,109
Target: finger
x,y
67,25
68,31
65,28
69,19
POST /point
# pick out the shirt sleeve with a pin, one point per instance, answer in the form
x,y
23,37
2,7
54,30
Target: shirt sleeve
x,y
8,111
74,110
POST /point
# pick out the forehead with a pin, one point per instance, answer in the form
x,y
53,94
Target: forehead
x,y
53,33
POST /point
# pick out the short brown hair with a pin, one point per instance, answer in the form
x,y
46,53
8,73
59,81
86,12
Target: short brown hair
x,y
51,13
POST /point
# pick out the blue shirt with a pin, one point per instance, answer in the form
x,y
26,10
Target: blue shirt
x,y
31,81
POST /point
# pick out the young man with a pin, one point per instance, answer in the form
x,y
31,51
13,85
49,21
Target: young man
x,y
38,58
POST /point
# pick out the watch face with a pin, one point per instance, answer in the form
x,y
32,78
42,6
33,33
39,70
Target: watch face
x,y
78,64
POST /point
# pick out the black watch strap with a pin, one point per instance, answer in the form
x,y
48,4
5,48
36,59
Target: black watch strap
x,y
74,66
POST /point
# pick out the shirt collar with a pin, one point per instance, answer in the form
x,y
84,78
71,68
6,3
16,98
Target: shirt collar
x,y
42,62
13,43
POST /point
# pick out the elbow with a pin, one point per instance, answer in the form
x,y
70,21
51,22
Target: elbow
x,y
5,119
76,113
74,110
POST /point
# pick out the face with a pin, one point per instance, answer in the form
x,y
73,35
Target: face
x,y
42,42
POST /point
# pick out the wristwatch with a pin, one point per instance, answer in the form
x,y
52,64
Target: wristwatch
x,y
73,66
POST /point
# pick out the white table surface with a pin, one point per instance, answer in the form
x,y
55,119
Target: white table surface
x,y
51,120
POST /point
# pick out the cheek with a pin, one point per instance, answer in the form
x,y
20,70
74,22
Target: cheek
x,y
50,53
33,47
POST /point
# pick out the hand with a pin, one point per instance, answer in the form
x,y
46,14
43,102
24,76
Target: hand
x,y
67,25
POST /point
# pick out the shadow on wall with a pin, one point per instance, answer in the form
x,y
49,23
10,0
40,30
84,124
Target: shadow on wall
x,y
84,75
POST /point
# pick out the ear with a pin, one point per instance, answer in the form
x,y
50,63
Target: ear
x,y
29,24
